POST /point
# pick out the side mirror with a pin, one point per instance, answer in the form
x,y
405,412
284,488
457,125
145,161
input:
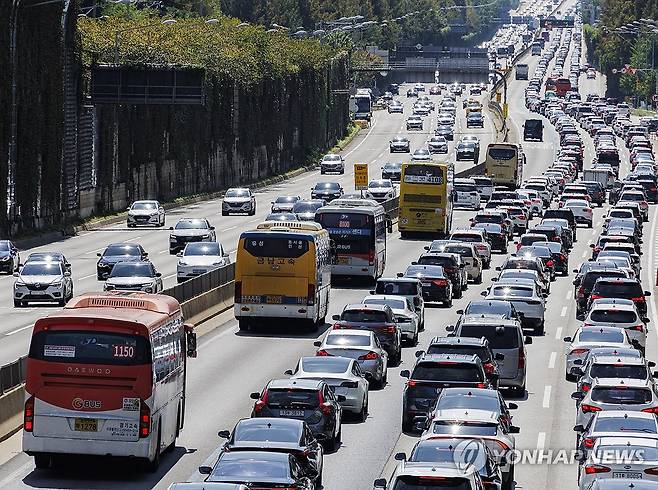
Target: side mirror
x,y
405,373
527,340
414,263
205,470
400,457
577,395
288,372
647,293
317,343
579,428
419,353
224,434
145,254
591,245
179,254
494,279
575,271
171,227
67,273
574,282
426,248
335,317
400,274
157,274
380,483
578,362
16,274
499,356
512,406
255,395
450,328
498,269
514,429
341,398
190,340
483,293
460,312
566,339
98,254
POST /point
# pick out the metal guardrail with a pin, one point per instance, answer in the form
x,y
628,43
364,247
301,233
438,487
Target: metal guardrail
x,y
12,375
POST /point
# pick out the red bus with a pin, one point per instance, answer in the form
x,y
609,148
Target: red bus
x,y
560,85
106,376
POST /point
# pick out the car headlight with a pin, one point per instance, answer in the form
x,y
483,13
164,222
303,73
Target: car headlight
x,y
182,263
172,238
103,265
19,284
148,289
205,236
154,213
107,287
57,284
7,257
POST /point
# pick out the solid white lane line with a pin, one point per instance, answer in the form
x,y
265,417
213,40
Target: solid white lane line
x,y
541,440
564,311
86,277
551,360
169,276
165,251
372,126
229,228
19,329
133,238
558,333
547,397
95,251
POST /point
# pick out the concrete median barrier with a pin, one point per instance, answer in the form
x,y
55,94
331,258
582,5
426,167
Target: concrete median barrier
x,y
11,411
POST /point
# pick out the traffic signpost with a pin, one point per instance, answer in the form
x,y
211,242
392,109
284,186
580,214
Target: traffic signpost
x,y
360,176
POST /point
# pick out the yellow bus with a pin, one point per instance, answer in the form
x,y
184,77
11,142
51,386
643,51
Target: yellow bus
x,y
283,271
504,164
426,198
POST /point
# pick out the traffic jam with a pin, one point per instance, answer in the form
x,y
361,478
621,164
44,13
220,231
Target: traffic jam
x,y
458,395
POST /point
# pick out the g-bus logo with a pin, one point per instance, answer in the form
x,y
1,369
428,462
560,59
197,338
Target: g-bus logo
x,y
79,403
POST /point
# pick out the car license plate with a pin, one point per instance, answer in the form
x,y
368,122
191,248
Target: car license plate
x,y
427,284
631,475
273,300
291,413
198,271
37,293
85,425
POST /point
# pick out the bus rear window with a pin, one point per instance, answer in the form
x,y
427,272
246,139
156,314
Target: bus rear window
x,y
78,346
289,248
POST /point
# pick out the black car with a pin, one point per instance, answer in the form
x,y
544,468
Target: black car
x,y
445,130
327,191
259,469
49,257
392,171
118,252
281,436
624,288
309,400
475,120
436,284
394,88
466,150
650,184
189,230
452,267
595,191
586,282
563,213
432,373
533,130
10,259
468,346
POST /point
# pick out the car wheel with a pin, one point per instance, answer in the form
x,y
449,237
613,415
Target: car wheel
x,y
321,172
478,279
539,329
18,304
448,303
363,414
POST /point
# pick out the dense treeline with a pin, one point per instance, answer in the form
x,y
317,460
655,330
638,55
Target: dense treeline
x,y
609,50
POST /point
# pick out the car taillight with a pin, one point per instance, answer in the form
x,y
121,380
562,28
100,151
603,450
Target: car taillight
x,y
322,353
370,356
371,257
550,263
638,298
521,359
556,239
518,246
325,407
489,368
440,282
591,469
28,415
450,270
310,298
589,408
578,352
144,419
237,298
588,442
651,471
650,410
481,385
653,189
502,445
596,296
411,383
636,328
338,326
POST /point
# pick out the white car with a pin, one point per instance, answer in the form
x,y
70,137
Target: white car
x,y
470,257
598,368
342,374
134,276
586,338
581,209
466,194
382,190
200,257
421,155
612,312
626,462
478,237
484,186
42,281
533,201
332,162
142,213
414,122
525,297
284,204
403,311
437,144
238,200
466,477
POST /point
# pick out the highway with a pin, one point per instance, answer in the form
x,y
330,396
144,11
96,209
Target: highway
x,y
232,364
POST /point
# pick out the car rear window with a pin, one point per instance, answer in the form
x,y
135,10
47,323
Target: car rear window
x,y
401,288
442,261
625,290
618,371
490,404
625,424
613,316
529,240
462,429
512,292
412,482
448,371
600,335
498,337
591,277
621,394
364,316
348,340
456,249
289,397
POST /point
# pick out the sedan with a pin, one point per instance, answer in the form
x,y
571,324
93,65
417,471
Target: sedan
x,y
327,191
392,171
284,204
437,286
586,338
344,377
414,122
446,131
399,144
360,345
421,155
437,144
146,213
332,162
581,209
134,276
403,310
118,252
10,259
527,301
305,210
475,120
198,258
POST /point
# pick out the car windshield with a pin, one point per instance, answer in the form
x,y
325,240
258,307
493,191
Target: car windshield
x,y
512,292
622,395
618,370
132,269
464,429
237,193
306,207
332,364
331,158
249,468
255,431
286,199
4,246
338,340
327,185
144,206
202,248
46,269
116,250
364,316
395,304
192,224
613,316
379,183
627,423
448,371
601,335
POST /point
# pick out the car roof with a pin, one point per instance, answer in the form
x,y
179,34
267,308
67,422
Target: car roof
x,y
469,341
475,392
488,321
296,383
618,414
627,441
448,470
608,359
460,358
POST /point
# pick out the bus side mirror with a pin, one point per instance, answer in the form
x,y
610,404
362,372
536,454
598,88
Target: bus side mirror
x,y
190,340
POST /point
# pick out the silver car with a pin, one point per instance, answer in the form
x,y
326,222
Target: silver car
x,y
343,375
470,257
602,367
361,345
403,311
284,204
617,313
42,281
200,257
239,200
305,210
142,213
527,301
134,276
587,338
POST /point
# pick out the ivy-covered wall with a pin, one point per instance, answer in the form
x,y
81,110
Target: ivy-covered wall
x,y
5,102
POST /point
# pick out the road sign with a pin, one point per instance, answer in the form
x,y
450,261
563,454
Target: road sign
x,y
360,176
505,111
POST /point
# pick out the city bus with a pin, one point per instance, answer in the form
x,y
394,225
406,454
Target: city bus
x,y
558,85
358,229
283,271
426,198
106,377
504,164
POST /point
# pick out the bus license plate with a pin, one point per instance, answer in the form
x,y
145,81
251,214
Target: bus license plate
x,y
291,413
631,475
273,300
85,425
343,260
